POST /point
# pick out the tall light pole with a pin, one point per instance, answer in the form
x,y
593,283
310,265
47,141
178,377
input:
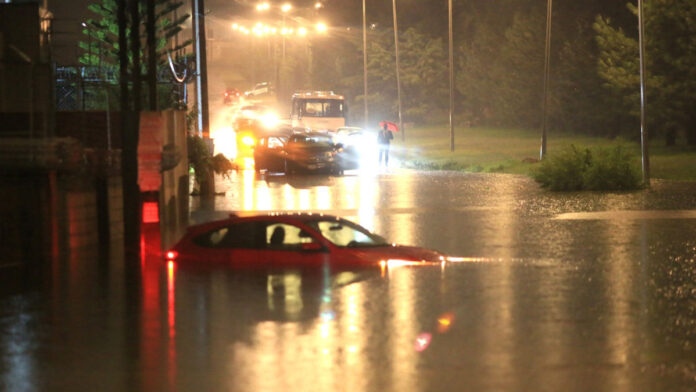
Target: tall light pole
x,y
547,69
398,76
201,67
451,77
367,118
643,131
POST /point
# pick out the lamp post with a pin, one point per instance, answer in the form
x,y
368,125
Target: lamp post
x,y
547,68
367,118
451,77
89,61
643,131
398,71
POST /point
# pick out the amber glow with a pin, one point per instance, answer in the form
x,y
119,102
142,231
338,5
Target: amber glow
x,y
444,322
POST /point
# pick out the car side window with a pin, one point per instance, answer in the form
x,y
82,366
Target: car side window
x,y
244,235
286,236
275,142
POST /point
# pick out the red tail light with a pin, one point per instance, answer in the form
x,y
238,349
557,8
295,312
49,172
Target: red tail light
x,y
172,255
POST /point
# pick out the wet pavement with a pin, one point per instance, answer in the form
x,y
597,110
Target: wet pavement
x,y
555,291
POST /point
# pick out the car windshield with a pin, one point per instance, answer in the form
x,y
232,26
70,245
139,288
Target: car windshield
x,y
346,234
313,140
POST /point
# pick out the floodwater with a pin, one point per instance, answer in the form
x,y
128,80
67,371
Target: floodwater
x,y
554,291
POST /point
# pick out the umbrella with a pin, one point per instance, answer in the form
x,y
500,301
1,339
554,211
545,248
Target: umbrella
x,y
390,126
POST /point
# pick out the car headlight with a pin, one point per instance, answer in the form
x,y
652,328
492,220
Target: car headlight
x,y
248,141
269,120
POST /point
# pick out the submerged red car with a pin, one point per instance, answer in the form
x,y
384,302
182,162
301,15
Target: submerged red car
x,y
292,241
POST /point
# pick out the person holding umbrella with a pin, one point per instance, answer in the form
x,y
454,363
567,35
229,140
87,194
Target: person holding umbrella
x,y
384,138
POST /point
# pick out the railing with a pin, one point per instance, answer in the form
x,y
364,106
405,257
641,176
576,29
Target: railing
x,y
62,154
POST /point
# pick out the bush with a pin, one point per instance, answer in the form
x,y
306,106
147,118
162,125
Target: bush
x,y
612,169
204,164
599,169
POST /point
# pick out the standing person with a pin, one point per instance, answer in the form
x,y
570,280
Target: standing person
x,y
384,138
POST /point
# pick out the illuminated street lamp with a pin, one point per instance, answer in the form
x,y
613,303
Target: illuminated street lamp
x,y
398,71
364,27
263,6
285,8
318,5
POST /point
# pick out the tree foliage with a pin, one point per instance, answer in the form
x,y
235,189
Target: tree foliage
x,y
670,54
101,45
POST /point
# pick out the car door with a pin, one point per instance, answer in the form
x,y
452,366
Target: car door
x,y
240,245
289,246
275,153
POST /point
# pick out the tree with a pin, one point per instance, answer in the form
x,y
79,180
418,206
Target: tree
x,y
670,45
101,49
423,66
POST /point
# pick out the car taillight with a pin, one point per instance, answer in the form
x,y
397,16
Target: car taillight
x,y
172,255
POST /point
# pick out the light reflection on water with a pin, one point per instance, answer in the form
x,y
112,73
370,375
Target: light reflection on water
x,y
534,303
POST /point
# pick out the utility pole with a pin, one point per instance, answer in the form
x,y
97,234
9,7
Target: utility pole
x,y
547,70
451,77
398,71
643,131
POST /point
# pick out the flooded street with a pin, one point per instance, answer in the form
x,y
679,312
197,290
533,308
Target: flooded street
x,y
553,291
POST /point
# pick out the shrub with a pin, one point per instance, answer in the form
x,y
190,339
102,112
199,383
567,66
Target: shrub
x,y
564,171
602,169
204,164
612,169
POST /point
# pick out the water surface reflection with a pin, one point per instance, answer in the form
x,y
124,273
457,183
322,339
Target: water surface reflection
x,y
535,304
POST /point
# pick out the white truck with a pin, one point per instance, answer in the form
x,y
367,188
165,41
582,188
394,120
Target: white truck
x,y
318,110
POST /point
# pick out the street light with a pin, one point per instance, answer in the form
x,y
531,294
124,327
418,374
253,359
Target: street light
x,y
547,65
398,77
643,132
451,77
367,119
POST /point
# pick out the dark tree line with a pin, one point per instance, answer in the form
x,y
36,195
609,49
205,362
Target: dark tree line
x,y
499,47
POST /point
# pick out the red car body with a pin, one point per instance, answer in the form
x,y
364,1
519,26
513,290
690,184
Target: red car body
x,y
310,241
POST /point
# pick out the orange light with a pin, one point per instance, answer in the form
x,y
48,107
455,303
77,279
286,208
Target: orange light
x,y
172,255
444,322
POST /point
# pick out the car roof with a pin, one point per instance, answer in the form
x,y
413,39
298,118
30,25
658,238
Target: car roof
x,y
281,217
312,134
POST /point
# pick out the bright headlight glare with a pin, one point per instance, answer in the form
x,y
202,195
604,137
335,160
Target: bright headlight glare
x,y
248,140
393,263
269,120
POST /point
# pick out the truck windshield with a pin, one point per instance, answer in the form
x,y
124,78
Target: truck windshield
x,y
319,108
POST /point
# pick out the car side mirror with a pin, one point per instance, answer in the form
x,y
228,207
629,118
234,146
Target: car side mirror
x,y
309,246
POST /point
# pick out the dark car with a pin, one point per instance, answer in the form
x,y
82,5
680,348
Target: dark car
x,y
298,152
295,241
